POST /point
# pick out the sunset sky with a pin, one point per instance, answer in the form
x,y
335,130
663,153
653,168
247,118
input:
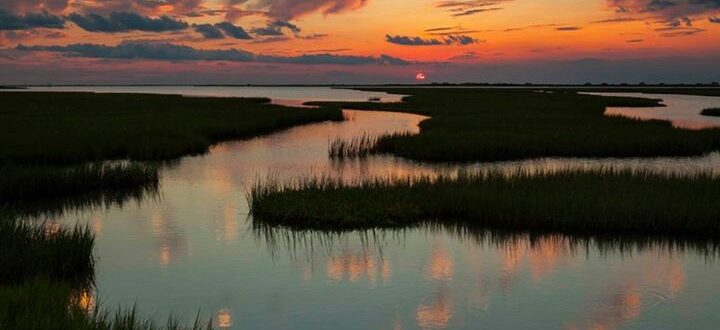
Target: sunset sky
x,y
358,41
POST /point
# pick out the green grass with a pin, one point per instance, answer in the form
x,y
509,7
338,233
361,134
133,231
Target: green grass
x,y
492,125
570,201
713,112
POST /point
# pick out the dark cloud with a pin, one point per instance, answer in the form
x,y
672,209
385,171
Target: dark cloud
x,y
459,8
714,19
125,22
233,31
668,9
568,28
173,52
209,31
286,10
634,40
10,21
215,31
275,28
458,39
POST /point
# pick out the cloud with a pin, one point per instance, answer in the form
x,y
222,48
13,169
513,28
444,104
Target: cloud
x,y
714,19
286,10
209,31
568,28
459,8
10,21
669,9
145,7
233,31
215,31
275,28
125,22
458,39
24,6
173,52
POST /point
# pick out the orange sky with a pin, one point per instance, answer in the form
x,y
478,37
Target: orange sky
x,y
421,33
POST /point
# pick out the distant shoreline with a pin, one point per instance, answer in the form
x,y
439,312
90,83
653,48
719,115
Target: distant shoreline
x,y
602,85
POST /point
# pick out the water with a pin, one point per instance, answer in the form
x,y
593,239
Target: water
x,y
291,96
682,110
195,249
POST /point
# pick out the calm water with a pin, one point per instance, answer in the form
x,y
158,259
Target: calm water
x,y
293,96
195,249
682,110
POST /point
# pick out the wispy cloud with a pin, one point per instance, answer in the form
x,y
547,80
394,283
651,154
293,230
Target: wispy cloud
x,y
10,21
125,22
458,39
173,52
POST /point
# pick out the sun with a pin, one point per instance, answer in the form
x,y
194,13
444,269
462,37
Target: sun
x,y
420,76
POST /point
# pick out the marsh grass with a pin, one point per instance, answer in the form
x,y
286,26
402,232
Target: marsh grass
x,y
478,124
34,190
70,128
29,250
601,201
46,304
45,274
713,112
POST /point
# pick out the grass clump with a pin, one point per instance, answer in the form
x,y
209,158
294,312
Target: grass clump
x,y
475,124
46,280
713,112
27,190
571,201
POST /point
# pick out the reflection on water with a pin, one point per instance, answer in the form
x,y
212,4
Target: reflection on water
x,y
682,110
195,248
290,96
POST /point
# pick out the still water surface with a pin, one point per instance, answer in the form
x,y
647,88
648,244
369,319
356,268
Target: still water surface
x,y
194,249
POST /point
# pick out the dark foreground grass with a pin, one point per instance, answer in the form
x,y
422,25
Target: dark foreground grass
x,y
491,125
46,274
713,112
32,189
582,202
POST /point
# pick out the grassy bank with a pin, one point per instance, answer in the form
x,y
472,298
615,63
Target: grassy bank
x,y
587,202
713,112
48,139
46,281
30,189
69,128
493,125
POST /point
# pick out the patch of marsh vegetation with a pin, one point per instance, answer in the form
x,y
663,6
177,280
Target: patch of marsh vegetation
x,y
475,124
52,145
46,280
603,201
713,112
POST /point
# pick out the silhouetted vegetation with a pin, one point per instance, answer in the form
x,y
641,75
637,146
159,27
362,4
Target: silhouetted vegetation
x,y
714,112
475,124
46,281
51,143
572,201
33,189
70,128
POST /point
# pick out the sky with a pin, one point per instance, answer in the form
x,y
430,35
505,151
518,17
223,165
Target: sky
x,y
358,41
